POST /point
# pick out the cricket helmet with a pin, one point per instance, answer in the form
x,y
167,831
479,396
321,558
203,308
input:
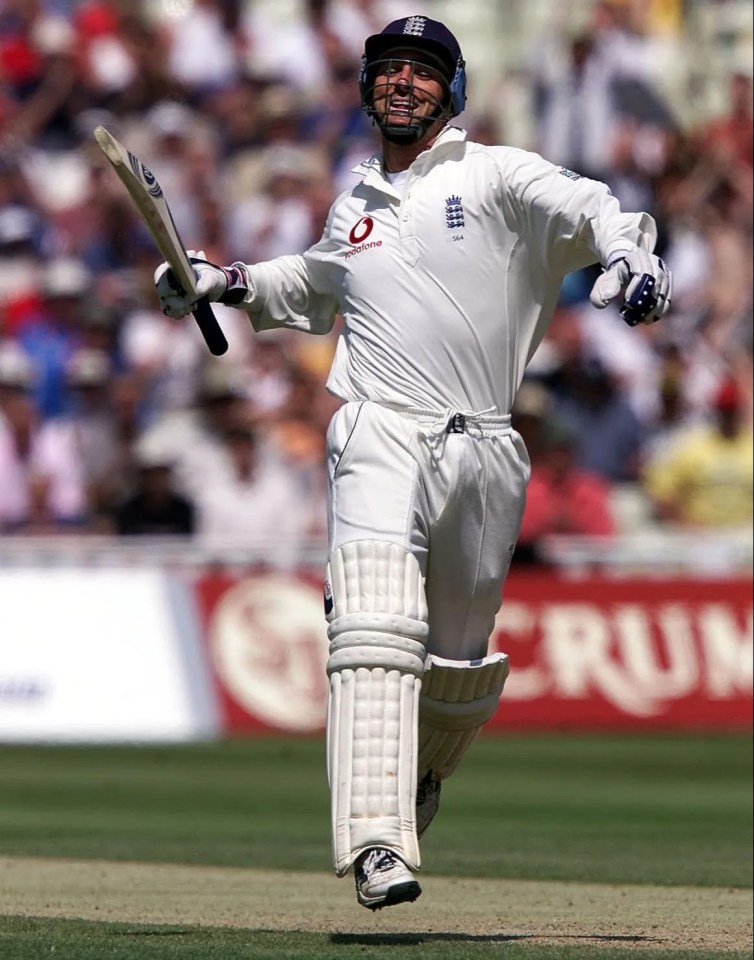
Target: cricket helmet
x,y
437,47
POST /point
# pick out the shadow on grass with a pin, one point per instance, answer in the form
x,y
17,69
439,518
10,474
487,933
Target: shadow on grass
x,y
409,939
154,932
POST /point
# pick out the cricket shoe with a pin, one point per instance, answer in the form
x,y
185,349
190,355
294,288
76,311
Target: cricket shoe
x,y
383,879
427,801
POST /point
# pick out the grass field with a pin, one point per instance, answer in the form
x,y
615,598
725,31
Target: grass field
x,y
546,847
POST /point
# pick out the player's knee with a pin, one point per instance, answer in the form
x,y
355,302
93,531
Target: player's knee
x,y
379,612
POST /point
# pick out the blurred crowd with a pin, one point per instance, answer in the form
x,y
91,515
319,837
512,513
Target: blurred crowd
x,y
115,419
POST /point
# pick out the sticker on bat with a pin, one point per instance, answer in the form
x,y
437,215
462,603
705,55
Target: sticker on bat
x,y
142,171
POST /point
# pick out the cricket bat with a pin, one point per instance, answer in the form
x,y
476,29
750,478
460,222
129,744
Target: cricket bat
x,y
150,201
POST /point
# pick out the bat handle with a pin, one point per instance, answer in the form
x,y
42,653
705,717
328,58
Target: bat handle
x,y
210,328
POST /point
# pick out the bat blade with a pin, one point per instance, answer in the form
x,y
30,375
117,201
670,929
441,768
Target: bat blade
x,y
153,208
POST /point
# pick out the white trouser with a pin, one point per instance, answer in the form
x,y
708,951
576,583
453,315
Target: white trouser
x,y
422,526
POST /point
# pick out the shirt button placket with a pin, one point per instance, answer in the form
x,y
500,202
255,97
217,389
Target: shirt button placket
x,y
409,245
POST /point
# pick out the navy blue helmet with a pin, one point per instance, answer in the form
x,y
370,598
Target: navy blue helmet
x,y
437,47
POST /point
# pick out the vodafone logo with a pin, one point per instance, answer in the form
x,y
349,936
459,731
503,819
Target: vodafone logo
x,y
361,230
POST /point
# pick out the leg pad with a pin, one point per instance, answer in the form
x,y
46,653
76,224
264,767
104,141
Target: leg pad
x,y
378,628
457,698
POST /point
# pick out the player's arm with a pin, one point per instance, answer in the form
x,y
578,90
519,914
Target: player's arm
x,y
290,291
573,222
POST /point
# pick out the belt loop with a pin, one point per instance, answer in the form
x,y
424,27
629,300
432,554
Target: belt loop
x,y
456,424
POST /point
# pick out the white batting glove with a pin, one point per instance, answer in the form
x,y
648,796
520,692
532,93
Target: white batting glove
x,y
641,280
219,284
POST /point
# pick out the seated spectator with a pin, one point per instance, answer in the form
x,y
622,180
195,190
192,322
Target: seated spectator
x,y
607,430
41,478
88,430
53,335
21,266
276,220
155,508
203,26
117,476
530,413
706,477
194,439
675,415
256,503
730,136
562,497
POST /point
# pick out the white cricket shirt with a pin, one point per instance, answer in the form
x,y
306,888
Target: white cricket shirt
x,y
446,282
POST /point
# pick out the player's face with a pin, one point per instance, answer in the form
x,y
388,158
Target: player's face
x,y
406,90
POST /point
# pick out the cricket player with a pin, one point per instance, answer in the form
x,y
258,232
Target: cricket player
x,y
445,263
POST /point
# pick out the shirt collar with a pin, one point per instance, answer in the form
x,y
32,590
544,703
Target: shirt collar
x,y
371,168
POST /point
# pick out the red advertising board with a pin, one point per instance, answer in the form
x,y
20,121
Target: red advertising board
x,y
595,653
267,647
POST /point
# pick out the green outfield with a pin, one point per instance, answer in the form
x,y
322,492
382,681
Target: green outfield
x,y
546,847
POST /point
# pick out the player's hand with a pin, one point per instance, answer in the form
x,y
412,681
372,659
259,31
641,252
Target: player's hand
x,y
641,281
219,284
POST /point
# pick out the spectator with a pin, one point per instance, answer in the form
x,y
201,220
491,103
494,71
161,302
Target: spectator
x,y
21,267
254,501
587,91
608,432
156,508
107,67
301,50
147,47
38,64
166,357
706,478
204,26
730,137
87,431
41,479
675,416
117,479
530,416
175,134
277,220
52,336
194,440
563,499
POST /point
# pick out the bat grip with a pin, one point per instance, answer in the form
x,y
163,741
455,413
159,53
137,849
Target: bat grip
x,y
210,328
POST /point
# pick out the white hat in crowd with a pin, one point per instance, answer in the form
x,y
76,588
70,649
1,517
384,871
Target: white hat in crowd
x,y
67,277
88,368
16,369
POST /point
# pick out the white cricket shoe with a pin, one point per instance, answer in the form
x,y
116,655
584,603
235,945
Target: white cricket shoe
x,y
383,879
427,801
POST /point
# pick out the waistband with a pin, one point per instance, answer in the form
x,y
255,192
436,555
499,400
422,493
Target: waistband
x,y
455,421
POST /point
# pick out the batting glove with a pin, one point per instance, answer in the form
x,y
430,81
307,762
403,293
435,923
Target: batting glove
x,y
642,282
220,284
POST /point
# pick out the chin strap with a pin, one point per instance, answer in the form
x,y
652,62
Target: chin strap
x,y
408,134
403,135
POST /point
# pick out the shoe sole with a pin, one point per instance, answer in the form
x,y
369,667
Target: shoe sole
x,y
405,892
